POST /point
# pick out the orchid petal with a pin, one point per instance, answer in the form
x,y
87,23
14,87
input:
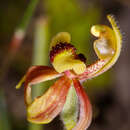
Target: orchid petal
x,y
107,48
46,107
85,116
37,74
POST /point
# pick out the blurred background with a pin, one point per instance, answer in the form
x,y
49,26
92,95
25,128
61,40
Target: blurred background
x,y
26,29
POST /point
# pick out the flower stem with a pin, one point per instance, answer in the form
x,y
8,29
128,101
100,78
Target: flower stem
x,y
40,57
14,46
28,14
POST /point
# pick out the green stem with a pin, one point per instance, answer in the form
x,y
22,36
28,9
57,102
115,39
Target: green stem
x,y
19,35
22,27
40,57
40,54
28,14
13,48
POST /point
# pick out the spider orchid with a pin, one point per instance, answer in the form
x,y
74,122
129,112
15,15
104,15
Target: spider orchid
x,y
70,68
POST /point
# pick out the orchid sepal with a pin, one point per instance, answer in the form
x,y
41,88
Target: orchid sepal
x,y
37,74
34,75
85,108
46,107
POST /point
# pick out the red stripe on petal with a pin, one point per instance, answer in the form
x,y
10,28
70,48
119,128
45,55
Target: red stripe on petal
x,y
49,105
85,115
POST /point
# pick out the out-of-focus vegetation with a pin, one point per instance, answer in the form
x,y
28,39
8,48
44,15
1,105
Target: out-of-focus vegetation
x,y
75,17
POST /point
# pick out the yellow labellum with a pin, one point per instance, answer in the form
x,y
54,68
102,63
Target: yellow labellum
x,y
105,45
108,46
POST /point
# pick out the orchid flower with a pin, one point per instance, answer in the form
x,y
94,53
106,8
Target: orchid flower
x,y
71,70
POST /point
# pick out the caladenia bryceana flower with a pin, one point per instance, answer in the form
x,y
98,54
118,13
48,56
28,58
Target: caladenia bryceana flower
x,y
71,70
